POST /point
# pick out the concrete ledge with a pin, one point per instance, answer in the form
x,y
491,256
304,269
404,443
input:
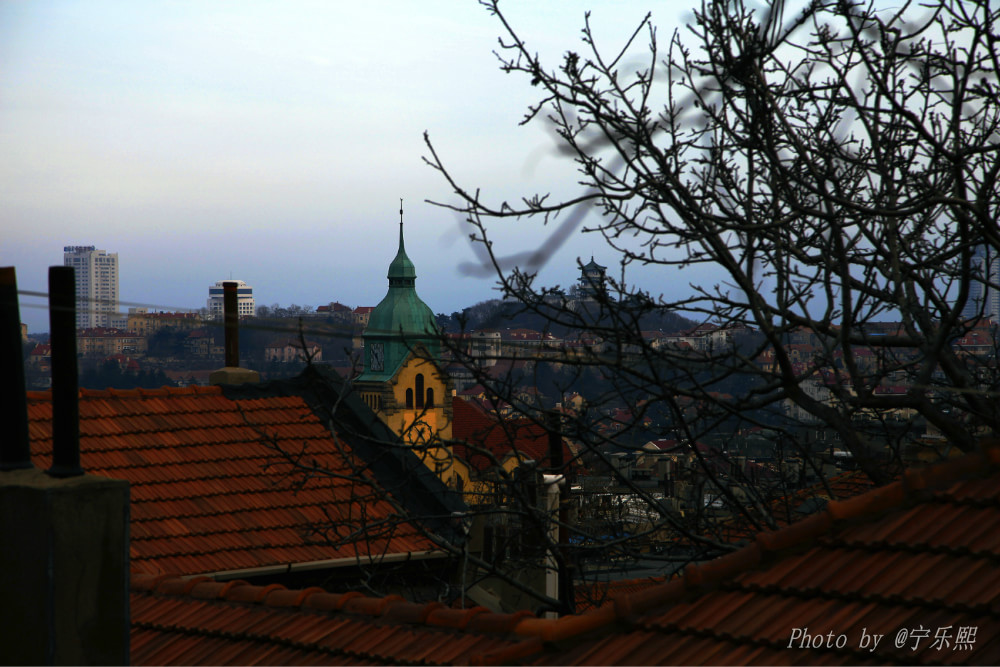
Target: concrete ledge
x,y
234,375
63,569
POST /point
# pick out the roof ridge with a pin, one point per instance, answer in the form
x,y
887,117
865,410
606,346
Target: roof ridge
x,y
390,608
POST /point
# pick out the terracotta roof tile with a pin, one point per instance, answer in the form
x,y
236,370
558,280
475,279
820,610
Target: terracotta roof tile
x,y
905,557
208,490
900,557
173,622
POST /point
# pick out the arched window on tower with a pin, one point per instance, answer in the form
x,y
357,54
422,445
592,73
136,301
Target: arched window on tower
x,y
409,399
430,397
420,390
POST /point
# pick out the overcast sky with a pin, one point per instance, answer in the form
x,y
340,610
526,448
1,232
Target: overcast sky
x,y
271,142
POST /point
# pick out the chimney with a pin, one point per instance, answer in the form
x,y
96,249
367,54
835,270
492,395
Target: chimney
x,y
232,373
64,565
14,451
65,378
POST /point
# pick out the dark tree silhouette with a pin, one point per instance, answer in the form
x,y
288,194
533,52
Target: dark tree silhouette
x,y
837,169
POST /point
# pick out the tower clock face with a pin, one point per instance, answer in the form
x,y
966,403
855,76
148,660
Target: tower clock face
x,y
377,357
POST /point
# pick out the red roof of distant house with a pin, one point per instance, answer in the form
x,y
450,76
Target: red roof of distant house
x,y
475,430
208,491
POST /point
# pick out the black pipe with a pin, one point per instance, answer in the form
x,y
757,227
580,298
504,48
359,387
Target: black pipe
x,y
65,380
230,307
15,450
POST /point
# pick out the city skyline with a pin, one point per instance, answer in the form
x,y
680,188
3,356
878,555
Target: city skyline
x,y
274,143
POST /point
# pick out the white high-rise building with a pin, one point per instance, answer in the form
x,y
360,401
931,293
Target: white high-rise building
x,y
96,284
984,297
244,299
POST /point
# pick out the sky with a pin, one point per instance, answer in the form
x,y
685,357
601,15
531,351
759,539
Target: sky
x,y
271,142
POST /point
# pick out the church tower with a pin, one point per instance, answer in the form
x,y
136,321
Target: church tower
x,y
402,380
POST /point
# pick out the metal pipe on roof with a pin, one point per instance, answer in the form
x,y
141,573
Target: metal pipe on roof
x,y
15,452
65,378
230,309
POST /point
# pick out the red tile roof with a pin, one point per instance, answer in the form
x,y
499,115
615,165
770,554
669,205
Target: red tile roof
x,y
918,555
204,622
482,438
209,492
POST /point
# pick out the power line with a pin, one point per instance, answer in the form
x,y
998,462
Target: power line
x,y
180,315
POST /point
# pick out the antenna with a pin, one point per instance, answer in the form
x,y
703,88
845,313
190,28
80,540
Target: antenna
x,y
400,211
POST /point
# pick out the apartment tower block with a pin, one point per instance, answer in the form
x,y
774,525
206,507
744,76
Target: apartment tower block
x,y
984,297
96,285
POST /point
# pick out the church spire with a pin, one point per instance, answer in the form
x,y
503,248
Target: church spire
x,y
401,249
402,273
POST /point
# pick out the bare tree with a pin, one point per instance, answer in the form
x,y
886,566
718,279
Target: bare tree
x,y
837,169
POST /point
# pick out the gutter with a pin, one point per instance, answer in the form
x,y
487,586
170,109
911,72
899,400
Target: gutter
x,y
331,563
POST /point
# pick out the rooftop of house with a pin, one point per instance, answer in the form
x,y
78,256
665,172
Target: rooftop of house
x,y
242,478
902,574
482,441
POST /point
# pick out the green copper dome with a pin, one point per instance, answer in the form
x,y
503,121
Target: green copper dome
x,y
402,312
399,322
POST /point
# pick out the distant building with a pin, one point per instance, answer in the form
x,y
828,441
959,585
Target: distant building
x,y
984,297
592,280
246,305
96,285
290,350
362,314
145,323
103,342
